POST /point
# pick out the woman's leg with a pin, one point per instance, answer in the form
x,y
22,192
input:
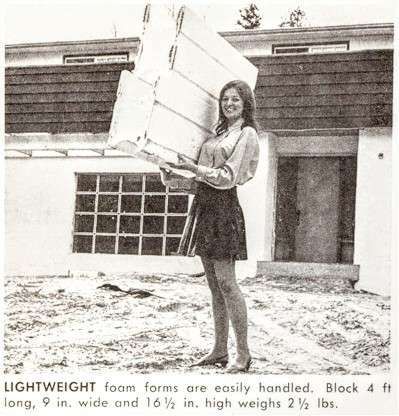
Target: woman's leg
x,y
236,307
220,317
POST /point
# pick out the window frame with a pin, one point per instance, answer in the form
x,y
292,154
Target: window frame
x,y
309,45
141,215
96,56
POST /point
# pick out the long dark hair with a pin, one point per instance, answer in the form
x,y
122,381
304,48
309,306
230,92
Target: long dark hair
x,y
248,113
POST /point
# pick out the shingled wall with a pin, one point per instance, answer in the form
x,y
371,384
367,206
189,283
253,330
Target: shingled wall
x,y
340,90
61,99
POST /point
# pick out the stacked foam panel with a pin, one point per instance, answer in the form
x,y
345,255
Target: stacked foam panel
x,y
169,103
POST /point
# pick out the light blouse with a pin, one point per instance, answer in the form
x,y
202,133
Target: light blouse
x,y
225,161
229,159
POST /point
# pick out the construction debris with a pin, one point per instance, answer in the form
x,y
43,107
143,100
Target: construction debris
x,y
137,293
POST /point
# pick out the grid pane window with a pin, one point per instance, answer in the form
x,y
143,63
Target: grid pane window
x,y
84,223
176,205
154,204
87,183
175,225
85,203
132,183
152,246
172,244
107,203
129,245
106,224
105,244
127,214
109,183
153,183
131,203
129,224
82,243
152,225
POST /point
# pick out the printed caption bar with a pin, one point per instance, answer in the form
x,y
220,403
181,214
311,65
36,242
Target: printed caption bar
x,y
198,394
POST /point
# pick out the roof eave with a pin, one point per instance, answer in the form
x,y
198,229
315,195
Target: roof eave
x,y
256,34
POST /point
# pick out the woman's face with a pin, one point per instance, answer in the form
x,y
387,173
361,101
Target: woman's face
x,y
232,105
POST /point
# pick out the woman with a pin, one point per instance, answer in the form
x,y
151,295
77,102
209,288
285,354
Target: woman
x,y
215,229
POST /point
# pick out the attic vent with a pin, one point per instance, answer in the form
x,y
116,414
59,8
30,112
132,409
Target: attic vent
x,y
328,47
96,59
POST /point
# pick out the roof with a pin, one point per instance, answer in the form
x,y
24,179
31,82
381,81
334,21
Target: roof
x,y
360,29
339,90
81,45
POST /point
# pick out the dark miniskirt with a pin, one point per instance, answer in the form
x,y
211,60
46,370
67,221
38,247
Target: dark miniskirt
x,y
215,226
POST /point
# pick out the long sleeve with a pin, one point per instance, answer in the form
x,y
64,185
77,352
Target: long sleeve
x,y
178,183
238,168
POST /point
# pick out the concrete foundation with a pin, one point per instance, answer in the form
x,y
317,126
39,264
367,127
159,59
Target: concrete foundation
x,y
295,269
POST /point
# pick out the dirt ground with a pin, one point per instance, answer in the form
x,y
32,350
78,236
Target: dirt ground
x,y
69,324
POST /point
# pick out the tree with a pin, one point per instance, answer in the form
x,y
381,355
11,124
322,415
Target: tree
x,y
295,19
250,17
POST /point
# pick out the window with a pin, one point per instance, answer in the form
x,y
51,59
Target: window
x,y
127,214
327,47
96,59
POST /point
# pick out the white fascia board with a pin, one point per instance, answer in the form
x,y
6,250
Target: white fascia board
x,y
269,34
17,154
49,153
83,46
114,152
310,33
55,142
85,153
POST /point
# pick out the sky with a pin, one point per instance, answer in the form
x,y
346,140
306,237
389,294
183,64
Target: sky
x,y
29,22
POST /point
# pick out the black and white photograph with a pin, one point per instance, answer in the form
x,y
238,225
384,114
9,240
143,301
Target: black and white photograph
x,y
199,188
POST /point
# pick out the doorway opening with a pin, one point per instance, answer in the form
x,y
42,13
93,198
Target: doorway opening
x,y
315,209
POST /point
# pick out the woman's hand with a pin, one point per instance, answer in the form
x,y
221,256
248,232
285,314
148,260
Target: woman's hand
x,y
185,164
164,170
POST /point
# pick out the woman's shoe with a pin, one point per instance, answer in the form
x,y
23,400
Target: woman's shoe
x,y
223,360
234,369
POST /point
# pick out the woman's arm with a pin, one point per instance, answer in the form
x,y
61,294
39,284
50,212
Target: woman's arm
x,y
177,182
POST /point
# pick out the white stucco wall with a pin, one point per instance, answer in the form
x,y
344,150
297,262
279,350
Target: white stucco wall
x,y
39,210
256,200
40,197
373,227
270,176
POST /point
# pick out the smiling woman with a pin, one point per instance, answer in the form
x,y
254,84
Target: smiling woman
x,y
215,228
232,105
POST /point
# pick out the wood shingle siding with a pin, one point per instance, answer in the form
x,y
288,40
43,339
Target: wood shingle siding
x,y
332,99
90,97
65,69
63,87
338,90
59,127
61,99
